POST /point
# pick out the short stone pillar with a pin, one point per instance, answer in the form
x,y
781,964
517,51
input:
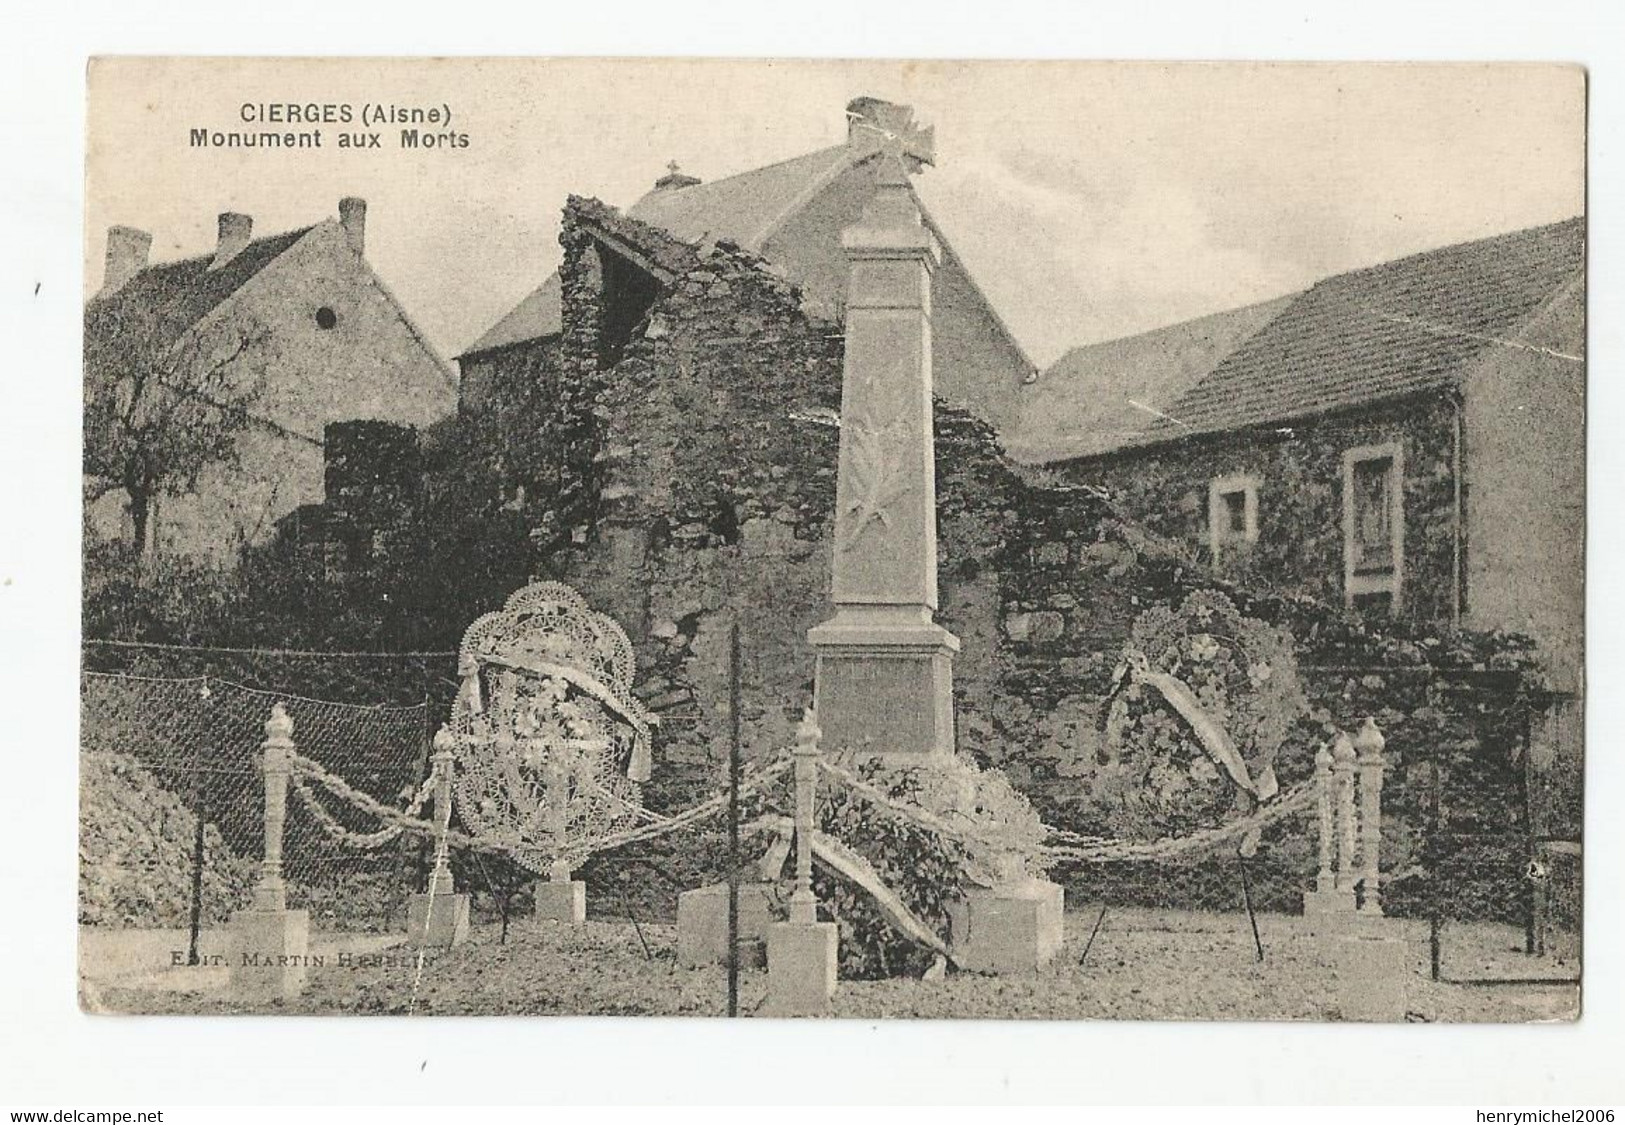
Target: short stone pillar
x,y
802,954
1013,929
438,918
560,898
1373,971
1334,791
702,925
1368,745
268,944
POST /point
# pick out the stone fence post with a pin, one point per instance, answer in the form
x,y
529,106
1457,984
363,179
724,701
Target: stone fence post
x,y
1348,801
802,953
803,904
1369,743
559,898
1325,804
268,944
276,763
1368,962
1347,830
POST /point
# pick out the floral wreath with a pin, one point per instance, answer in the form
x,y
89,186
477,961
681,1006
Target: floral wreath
x,y
1225,694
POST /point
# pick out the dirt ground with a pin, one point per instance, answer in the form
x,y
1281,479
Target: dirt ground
x,y
1143,964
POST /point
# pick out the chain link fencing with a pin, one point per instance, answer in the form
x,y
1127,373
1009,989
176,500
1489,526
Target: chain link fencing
x,y
1503,876
1483,844
172,804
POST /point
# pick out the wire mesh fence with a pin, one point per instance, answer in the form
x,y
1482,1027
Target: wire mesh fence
x,y
172,801
1485,845
365,678
1503,877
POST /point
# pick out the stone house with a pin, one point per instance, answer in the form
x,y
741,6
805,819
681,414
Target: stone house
x,y
326,341
1406,440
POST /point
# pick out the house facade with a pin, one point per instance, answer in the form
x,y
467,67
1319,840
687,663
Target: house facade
x,y
310,325
1406,441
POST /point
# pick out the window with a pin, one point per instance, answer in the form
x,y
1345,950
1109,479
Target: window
x,y
1373,527
1232,513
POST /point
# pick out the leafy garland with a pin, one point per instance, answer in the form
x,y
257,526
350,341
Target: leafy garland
x,y
990,835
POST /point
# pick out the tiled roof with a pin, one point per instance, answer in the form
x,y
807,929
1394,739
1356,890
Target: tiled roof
x,y
168,299
746,208
1377,333
1098,397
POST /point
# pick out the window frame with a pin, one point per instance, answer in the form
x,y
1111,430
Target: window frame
x,y
1358,583
1219,534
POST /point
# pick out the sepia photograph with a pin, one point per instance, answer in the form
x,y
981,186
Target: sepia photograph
x,y
918,539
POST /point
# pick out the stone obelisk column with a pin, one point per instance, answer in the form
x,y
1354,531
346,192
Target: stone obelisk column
x,y
884,666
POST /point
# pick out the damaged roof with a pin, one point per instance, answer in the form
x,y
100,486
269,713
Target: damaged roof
x,y
749,209
746,208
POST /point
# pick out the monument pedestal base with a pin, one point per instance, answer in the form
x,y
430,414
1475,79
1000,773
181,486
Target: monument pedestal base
x,y
561,901
702,925
1008,930
1372,970
438,921
267,952
801,972
1330,913
884,681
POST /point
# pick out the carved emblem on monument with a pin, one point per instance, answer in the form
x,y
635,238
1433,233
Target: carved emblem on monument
x,y
878,479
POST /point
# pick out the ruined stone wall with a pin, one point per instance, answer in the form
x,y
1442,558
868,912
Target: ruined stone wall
x,y
1076,574
712,480
1299,469
373,491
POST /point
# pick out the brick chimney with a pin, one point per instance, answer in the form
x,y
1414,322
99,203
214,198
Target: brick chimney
x,y
353,218
673,179
127,250
869,121
235,231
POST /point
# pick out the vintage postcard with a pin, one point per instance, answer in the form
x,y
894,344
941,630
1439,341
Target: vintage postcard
x,y
818,538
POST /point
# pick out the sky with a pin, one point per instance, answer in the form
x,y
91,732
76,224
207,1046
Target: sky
x,y
1089,200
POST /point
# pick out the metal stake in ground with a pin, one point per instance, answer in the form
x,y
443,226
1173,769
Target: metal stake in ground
x,y
1090,944
200,815
200,812
1434,848
1247,900
734,677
